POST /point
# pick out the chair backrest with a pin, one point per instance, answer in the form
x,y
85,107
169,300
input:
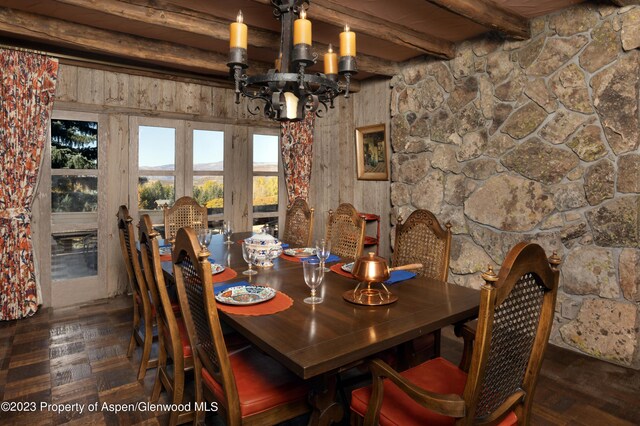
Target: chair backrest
x,y
421,239
130,256
514,323
152,268
298,227
345,230
185,212
194,284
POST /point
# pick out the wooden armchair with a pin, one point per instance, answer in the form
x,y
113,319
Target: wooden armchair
x,y
514,324
143,316
298,228
173,339
249,386
345,230
185,212
421,239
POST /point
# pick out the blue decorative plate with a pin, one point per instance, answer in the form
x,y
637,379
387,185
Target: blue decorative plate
x,y
347,267
301,252
216,268
164,250
245,295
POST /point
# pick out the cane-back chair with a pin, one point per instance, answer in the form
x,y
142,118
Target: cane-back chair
x,y
421,239
298,226
345,230
142,332
249,386
514,323
185,212
173,340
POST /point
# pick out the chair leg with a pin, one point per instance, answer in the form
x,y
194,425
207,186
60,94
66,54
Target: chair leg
x,y
136,322
162,362
146,349
178,390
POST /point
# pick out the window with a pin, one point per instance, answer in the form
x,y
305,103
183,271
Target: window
x,y
208,169
156,167
74,198
266,181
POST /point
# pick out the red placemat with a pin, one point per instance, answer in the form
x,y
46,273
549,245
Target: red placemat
x,y
165,257
225,275
337,268
279,303
291,258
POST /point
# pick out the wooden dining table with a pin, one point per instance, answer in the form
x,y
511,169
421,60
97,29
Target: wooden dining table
x,y
317,341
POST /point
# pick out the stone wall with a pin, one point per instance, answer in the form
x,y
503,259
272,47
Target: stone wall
x,y
536,140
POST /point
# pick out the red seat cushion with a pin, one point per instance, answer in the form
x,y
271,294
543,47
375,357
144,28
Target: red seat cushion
x,y
184,337
437,375
175,305
261,381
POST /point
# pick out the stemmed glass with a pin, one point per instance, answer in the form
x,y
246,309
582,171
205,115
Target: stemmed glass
x,y
227,230
323,251
249,256
313,275
204,237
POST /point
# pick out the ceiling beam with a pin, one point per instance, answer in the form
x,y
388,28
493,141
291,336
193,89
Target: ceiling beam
x,y
175,17
488,14
56,32
336,14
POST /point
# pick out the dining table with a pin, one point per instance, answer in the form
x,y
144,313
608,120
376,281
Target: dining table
x,y
317,342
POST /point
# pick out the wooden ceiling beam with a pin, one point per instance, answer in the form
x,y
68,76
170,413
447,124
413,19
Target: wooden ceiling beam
x,y
488,14
169,15
55,32
333,13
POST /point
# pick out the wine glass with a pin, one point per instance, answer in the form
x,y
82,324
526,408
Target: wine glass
x,y
227,230
204,237
323,250
313,275
249,256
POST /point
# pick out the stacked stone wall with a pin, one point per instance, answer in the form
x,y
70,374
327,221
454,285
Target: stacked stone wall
x,y
536,140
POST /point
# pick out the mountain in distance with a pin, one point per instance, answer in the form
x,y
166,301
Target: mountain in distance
x,y
218,167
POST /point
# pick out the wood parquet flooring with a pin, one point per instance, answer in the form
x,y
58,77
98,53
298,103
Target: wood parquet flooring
x,y
78,356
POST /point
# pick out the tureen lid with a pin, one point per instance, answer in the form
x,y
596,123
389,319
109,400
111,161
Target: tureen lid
x,y
264,236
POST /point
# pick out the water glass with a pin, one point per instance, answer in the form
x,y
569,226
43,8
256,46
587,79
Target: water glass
x,y
249,256
204,237
227,230
313,276
323,251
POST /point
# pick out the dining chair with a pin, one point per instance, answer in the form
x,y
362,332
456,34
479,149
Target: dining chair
x,y
298,225
514,322
173,342
185,212
345,230
142,332
421,239
249,386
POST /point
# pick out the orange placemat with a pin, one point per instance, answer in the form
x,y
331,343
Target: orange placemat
x,y
337,268
165,258
279,303
225,275
291,258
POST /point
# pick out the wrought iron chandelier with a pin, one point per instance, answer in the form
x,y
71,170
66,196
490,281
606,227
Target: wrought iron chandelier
x,y
287,92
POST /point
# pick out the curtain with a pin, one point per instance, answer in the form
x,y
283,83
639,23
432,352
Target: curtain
x,y
26,97
297,141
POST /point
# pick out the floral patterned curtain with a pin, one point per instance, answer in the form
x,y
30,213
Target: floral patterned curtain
x,y
26,97
297,141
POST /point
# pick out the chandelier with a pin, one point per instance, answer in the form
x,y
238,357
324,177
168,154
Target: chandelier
x,y
287,92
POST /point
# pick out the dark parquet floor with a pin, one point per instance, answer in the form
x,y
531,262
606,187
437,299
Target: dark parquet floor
x,y
78,356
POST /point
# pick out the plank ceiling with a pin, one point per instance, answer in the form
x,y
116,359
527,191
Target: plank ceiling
x,y
191,36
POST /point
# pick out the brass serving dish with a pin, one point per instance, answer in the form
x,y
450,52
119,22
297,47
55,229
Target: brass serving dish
x,y
372,270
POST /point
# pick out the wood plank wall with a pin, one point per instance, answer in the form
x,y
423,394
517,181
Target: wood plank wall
x,y
116,96
334,176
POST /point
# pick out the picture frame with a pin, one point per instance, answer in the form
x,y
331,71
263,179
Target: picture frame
x,y
372,152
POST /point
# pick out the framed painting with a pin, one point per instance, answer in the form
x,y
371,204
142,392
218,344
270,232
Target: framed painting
x,y
372,155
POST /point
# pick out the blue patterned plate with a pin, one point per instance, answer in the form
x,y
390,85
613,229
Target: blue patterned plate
x,y
216,268
300,252
164,250
246,295
347,267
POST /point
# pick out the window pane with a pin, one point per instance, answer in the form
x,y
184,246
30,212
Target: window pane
x,y
156,148
260,222
74,255
74,194
74,144
265,153
208,191
208,150
265,194
154,192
